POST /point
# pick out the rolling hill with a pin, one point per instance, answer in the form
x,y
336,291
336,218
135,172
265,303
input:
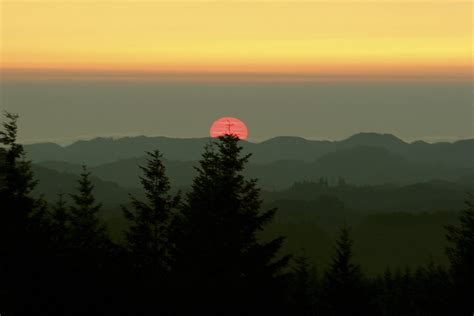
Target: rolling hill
x,y
99,151
358,165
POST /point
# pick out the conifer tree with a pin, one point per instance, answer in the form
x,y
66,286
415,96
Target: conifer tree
x,y
218,252
385,292
60,222
16,186
24,226
433,290
147,238
148,235
343,291
87,232
89,251
461,256
304,287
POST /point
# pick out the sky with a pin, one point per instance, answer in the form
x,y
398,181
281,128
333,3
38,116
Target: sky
x,y
75,69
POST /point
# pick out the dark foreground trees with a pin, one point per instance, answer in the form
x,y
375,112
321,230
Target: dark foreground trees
x,y
89,256
344,288
461,255
50,259
24,231
86,230
221,266
21,215
147,239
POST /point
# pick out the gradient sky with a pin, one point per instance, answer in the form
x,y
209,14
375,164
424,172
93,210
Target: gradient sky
x,y
316,69
330,38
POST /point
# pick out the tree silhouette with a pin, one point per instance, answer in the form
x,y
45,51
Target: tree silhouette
x,y
24,226
18,207
433,291
89,252
304,287
60,223
87,232
219,256
461,256
147,237
343,289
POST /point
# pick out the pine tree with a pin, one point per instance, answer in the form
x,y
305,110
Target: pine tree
x,y
24,227
433,290
87,232
218,252
304,287
147,237
344,290
60,223
16,186
384,287
88,256
461,256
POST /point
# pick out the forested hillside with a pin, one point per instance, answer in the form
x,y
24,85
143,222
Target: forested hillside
x,y
72,243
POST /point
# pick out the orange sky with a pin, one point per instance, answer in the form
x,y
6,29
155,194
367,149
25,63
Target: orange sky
x,y
228,39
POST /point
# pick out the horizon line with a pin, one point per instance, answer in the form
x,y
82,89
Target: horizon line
x,y
70,141
248,73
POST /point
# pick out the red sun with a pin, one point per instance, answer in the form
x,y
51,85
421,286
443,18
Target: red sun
x,y
229,126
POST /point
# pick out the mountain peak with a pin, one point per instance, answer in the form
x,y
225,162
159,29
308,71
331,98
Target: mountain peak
x,y
373,139
285,139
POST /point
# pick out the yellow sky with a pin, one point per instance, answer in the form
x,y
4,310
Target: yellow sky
x,y
328,38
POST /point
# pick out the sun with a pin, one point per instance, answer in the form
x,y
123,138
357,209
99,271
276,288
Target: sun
x,y
229,126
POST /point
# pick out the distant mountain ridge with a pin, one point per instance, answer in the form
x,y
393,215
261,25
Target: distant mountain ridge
x,y
98,151
358,165
407,185
413,197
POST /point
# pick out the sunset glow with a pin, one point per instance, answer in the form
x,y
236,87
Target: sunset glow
x,y
236,40
229,126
